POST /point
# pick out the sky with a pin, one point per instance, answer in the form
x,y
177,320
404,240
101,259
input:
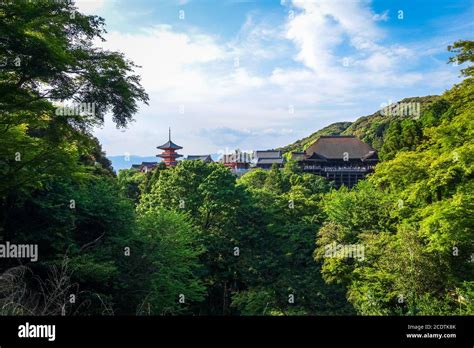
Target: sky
x,y
256,75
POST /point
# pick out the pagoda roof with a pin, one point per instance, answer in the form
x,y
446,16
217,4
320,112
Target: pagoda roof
x,y
164,155
169,145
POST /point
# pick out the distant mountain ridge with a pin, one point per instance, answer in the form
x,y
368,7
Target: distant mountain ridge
x,y
370,129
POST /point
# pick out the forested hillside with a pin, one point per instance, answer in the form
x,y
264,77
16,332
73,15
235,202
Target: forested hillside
x,y
194,239
302,144
376,128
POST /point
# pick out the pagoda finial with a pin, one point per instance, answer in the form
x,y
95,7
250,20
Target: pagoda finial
x,y
169,133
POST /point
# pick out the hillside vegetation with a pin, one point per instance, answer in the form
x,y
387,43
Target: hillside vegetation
x,y
193,239
372,129
302,144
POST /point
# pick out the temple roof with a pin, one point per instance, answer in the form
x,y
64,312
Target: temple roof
x,y
268,154
149,165
169,144
297,156
164,155
199,157
334,147
317,157
270,161
371,156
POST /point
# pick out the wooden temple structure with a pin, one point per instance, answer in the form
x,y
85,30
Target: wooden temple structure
x,y
342,159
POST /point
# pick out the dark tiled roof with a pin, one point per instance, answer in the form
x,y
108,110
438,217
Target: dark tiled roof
x,y
270,161
334,147
268,154
199,157
175,155
297,156
136,166
372,155
317,156
169,145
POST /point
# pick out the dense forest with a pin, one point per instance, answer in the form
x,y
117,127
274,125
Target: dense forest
x,y
196,240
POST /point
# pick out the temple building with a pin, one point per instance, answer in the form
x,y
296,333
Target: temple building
x,y
204,158
342,159
266,159
169,154
238,161
145,167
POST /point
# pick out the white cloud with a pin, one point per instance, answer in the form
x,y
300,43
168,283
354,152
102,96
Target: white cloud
x,y
381,16
194,72
90,7
328,63
320,30
258,40
172,63
322,25
241,77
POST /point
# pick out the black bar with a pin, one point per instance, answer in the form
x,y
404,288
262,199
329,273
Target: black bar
x,y
244,330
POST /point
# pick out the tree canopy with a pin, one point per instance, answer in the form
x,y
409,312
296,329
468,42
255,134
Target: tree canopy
x,y
194,239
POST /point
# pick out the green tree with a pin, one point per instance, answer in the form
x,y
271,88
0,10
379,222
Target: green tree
x,y
130,181
415,221
169,254
288,281
57,187
392,142
209,194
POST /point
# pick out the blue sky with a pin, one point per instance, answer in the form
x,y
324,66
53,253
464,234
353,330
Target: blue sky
x,y
261,74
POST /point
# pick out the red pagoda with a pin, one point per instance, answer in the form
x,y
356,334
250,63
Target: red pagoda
x,y
169,154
